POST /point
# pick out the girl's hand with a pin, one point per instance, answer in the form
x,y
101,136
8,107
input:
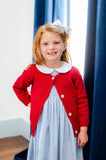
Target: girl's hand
x,y
82,137
29,105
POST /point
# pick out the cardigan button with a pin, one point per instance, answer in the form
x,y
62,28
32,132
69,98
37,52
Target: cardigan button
x,y
76,131
70,114
52,78
62,96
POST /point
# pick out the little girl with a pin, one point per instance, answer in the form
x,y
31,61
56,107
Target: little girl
x,y
58,102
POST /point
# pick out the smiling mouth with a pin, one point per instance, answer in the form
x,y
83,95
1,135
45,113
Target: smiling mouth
x,y
52,53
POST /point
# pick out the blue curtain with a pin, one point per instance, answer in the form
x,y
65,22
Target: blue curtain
x,y
47,11
95,79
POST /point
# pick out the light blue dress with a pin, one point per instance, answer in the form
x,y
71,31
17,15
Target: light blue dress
x,y
54,137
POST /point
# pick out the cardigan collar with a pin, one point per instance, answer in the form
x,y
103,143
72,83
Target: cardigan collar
x,y
63,69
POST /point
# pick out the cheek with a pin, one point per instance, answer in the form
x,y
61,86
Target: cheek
x,y
60,48
42,49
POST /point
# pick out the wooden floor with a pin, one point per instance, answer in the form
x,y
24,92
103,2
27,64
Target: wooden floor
x,y
12,145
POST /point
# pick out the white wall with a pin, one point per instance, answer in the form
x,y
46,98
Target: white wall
x,y
16,38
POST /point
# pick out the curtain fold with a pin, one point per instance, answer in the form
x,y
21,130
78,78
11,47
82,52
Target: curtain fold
x,y
47,11
89,65
95,79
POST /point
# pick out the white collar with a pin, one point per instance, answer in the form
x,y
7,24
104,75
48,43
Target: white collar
x,y
63,69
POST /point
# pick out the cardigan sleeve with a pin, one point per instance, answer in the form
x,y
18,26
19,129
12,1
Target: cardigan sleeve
x,y
82,99
22,83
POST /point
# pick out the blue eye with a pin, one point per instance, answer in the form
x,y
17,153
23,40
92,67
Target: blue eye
x,y
45,44
56,42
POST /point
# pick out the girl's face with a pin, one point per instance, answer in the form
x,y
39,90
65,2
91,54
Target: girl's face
x,y
51,47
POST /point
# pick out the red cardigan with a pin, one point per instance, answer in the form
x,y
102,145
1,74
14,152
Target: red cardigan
x,y
70,88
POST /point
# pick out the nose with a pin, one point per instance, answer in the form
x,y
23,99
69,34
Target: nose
x,y
51,46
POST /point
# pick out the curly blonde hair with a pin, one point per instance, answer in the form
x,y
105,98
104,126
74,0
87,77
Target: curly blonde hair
x,y
36,44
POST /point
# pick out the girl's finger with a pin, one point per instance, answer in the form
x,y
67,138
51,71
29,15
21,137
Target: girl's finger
x,y
78,141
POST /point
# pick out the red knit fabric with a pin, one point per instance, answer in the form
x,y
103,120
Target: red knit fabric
x,y
70,88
